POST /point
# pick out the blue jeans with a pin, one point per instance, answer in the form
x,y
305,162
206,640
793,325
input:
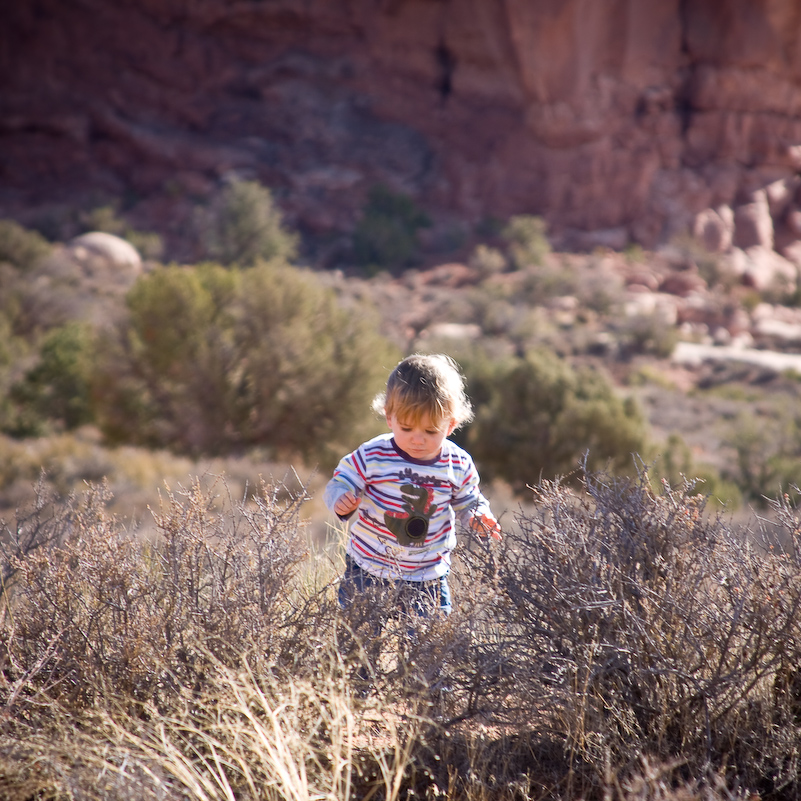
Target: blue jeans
x,y
411,597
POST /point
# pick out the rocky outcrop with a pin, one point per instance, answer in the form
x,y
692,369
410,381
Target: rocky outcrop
x,y
602,116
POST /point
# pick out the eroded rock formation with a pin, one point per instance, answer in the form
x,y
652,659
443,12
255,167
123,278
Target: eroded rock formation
x,y
617,120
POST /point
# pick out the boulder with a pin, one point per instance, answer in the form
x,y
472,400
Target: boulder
x,y
456,331
714,229
682,283
753,225
106,256
792,252
765,270
792,219
780,195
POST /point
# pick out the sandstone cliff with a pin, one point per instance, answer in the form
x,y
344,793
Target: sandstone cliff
x,y
617,120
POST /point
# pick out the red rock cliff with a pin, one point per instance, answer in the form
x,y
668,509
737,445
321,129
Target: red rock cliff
x,y
622,118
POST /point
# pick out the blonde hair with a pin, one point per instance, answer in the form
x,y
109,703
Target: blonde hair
x,y
426,385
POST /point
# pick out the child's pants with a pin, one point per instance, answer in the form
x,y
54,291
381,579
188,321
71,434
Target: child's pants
x,y
419,598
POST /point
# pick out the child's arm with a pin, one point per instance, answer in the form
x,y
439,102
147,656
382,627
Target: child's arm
x,y
343,493
473,508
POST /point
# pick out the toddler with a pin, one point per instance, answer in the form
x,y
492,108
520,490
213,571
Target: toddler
x,y
408,487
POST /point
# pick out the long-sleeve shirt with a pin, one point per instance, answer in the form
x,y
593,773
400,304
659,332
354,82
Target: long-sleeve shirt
x,y
394,486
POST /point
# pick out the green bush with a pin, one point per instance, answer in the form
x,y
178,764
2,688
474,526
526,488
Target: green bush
x,y
487,260
527,240
245,225
386,236
542,283
21,247
767,454
13,350
56,389
647,333
214,360
536,417
675,464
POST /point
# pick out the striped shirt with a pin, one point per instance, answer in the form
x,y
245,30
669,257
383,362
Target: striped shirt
x,y
400,494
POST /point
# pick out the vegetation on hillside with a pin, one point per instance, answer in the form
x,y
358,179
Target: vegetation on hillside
x,y
537,416
386,235
212,360
253,353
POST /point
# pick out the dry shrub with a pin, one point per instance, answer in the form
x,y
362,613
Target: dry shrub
x,y
203,664
242,735
620,643
101,611
635,626
197,665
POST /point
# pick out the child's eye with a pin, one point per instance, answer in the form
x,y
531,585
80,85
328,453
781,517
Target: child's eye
x,y
431,433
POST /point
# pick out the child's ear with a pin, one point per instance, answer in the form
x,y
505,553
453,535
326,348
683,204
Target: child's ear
x,y
451,427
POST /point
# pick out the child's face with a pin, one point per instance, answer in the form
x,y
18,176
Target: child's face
x,y
421,440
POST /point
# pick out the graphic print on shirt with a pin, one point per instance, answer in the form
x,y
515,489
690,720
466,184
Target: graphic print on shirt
x,y
410,526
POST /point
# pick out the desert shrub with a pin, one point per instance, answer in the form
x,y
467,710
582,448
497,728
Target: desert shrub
x,y
56,389
135,476
536,416
686,250
245,736
103,218
200,658
11,309
21,247
674,463
386,235
214,361
71,461
245,225
100,610
767,454
637,627
14,351
620,641
527,241
61,290
487,260
544,282
647,333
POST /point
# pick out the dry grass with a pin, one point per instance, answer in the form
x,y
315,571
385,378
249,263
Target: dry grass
x,y
620,644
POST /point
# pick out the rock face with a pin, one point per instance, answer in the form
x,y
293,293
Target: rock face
x,y
600,115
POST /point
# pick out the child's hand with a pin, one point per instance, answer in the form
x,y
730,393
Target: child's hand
x,y
486,525
346,504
